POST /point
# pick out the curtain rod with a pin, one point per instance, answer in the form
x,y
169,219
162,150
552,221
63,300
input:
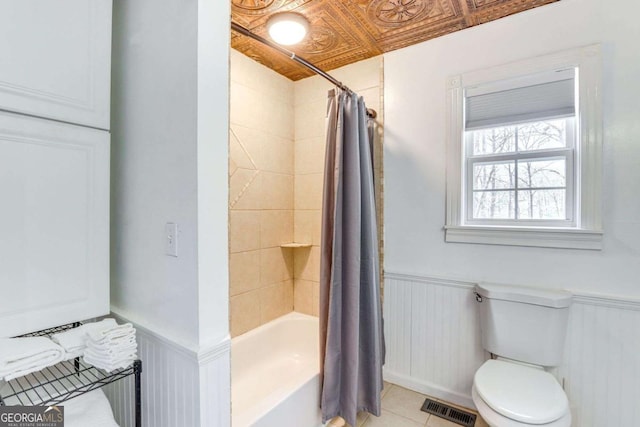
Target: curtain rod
x,y
246,32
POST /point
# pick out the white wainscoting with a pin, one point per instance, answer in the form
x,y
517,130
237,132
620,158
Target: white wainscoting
x,y
432,336
433,346
180,386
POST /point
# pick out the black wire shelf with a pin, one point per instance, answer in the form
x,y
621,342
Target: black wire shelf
x,y
65,380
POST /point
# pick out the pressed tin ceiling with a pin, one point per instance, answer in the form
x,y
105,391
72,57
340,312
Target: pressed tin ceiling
x,y
347,31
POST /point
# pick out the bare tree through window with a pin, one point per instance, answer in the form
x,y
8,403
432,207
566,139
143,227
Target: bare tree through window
x,y
516,174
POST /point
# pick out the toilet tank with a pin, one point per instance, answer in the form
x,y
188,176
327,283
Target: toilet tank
x,y
523,324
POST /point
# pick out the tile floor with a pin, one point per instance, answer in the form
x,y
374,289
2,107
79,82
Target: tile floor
x,y
401,408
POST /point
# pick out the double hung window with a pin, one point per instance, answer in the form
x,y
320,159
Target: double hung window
x,y
525,153
519,151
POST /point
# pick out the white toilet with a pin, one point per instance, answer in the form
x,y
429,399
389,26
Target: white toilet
x,y
524,329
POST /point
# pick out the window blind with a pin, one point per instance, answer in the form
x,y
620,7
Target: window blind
x,y
533,102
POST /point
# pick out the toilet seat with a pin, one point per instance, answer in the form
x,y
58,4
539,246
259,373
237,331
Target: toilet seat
x,y
494,419
522,395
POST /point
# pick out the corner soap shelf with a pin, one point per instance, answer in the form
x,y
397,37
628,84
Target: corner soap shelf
x,y
65,380
295,245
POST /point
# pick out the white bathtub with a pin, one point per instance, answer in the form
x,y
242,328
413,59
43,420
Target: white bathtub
x,y
275,378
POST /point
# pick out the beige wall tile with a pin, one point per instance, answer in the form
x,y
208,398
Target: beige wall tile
x,y
276,119
232,166
307,226
303,296
263,159
276,300
310,119
247,72
311,88
276,228
300,261
276,265
244,230
307,264
277,191
261,190
288,295
316,227
315,304
245,189
303,226
268,152
244,272
243,108
240,154
244,312
308,191
309,155
253,109
277,155
247,146
262,150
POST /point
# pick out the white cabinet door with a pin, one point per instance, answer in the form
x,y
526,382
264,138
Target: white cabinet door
x,y
55,59
54,223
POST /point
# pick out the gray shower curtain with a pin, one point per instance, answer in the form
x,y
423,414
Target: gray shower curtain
x,y
351,332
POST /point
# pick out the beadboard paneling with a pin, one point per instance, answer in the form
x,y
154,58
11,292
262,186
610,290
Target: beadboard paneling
x,y
432,335
433,346
602,363
175,380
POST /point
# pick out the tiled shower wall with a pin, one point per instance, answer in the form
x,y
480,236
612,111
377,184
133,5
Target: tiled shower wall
x,y
310,104
261,155
277,143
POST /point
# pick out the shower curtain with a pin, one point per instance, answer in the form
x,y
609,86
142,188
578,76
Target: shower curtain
x,y
351,335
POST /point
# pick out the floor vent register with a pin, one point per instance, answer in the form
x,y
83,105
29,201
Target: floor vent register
x,y
449,413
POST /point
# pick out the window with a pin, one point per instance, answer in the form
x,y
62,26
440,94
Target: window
x,y
521,174
524,153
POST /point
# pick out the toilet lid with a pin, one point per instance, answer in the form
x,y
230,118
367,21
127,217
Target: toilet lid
x,y
519,392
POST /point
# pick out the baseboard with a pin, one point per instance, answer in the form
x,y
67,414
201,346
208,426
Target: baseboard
x,y
429,389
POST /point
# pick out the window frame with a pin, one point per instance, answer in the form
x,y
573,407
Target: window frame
x,y
585,229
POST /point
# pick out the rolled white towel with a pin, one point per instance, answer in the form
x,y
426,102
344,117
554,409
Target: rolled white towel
x,y
74,340
22,356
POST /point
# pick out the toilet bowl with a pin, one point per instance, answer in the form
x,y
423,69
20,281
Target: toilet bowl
x,y
510,394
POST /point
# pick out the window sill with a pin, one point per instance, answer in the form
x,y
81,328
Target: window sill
x,y
521,236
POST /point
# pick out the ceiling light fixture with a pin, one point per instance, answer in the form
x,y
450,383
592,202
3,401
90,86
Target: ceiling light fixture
x,y
287,28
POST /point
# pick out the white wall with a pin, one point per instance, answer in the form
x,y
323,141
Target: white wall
x,y
154,94
415,149
432,337
169,164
